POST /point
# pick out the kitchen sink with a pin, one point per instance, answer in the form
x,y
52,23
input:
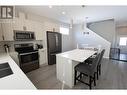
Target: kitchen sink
x,y
5,70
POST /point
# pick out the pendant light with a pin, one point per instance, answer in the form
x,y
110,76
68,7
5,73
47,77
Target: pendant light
x,y
84,26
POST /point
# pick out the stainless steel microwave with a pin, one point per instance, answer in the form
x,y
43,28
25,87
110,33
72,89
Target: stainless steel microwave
x,y
23,35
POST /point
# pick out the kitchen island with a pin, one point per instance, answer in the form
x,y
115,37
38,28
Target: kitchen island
x,y
17,80
65,63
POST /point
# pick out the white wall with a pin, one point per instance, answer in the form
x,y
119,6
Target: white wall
x,y
105,29
92,39
67,42
121,31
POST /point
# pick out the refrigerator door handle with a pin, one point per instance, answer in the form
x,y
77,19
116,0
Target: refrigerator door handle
x,y
56,39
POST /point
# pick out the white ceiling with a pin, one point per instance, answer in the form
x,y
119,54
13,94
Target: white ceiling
x,y
78,13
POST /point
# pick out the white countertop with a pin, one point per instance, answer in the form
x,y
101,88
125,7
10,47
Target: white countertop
x,y
42,49
18,80
77,54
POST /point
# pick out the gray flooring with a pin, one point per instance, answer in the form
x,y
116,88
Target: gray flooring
x,y
114,76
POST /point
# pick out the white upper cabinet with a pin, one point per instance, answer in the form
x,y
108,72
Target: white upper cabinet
x,y
38,28
8,26
35,27
49,26
7,30
22,24
18,24
8,34
28,25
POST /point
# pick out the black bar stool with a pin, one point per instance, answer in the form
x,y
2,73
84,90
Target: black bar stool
x,y
87,70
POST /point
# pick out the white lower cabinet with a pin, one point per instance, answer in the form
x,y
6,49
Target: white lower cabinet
x,y
42,58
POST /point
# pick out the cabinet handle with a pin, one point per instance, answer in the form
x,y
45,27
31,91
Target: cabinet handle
x,y
3,37
38,55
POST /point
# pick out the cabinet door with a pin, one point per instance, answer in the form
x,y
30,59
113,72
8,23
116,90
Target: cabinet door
x,y
29,25
7,30
1,34
18,24
35,27
38,28
42,58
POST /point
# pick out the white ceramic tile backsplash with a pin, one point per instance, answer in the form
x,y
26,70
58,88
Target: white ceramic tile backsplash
x,y
1,47
11,44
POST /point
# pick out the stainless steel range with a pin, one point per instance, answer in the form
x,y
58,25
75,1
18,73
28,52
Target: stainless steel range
x,y
28,57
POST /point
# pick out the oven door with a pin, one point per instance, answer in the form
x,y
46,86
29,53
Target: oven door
x,y
26,58
29,61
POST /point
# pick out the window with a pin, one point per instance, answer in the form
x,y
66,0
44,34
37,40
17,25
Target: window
x,y
123,41
64,30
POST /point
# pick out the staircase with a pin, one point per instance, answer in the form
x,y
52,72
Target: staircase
x,y
98,40
92,38
105,29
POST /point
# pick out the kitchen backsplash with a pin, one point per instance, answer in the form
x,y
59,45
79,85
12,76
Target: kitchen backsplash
x,y
2,47
11,44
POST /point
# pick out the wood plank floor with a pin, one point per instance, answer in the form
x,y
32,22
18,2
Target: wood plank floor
x,y
114,76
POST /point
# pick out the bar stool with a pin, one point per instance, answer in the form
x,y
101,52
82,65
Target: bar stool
x,y
87,70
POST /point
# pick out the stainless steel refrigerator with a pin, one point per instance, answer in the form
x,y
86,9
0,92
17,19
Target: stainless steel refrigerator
x,y
54,46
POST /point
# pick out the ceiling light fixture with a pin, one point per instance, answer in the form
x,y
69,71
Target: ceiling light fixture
x,y
63,13
83,6
50,6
